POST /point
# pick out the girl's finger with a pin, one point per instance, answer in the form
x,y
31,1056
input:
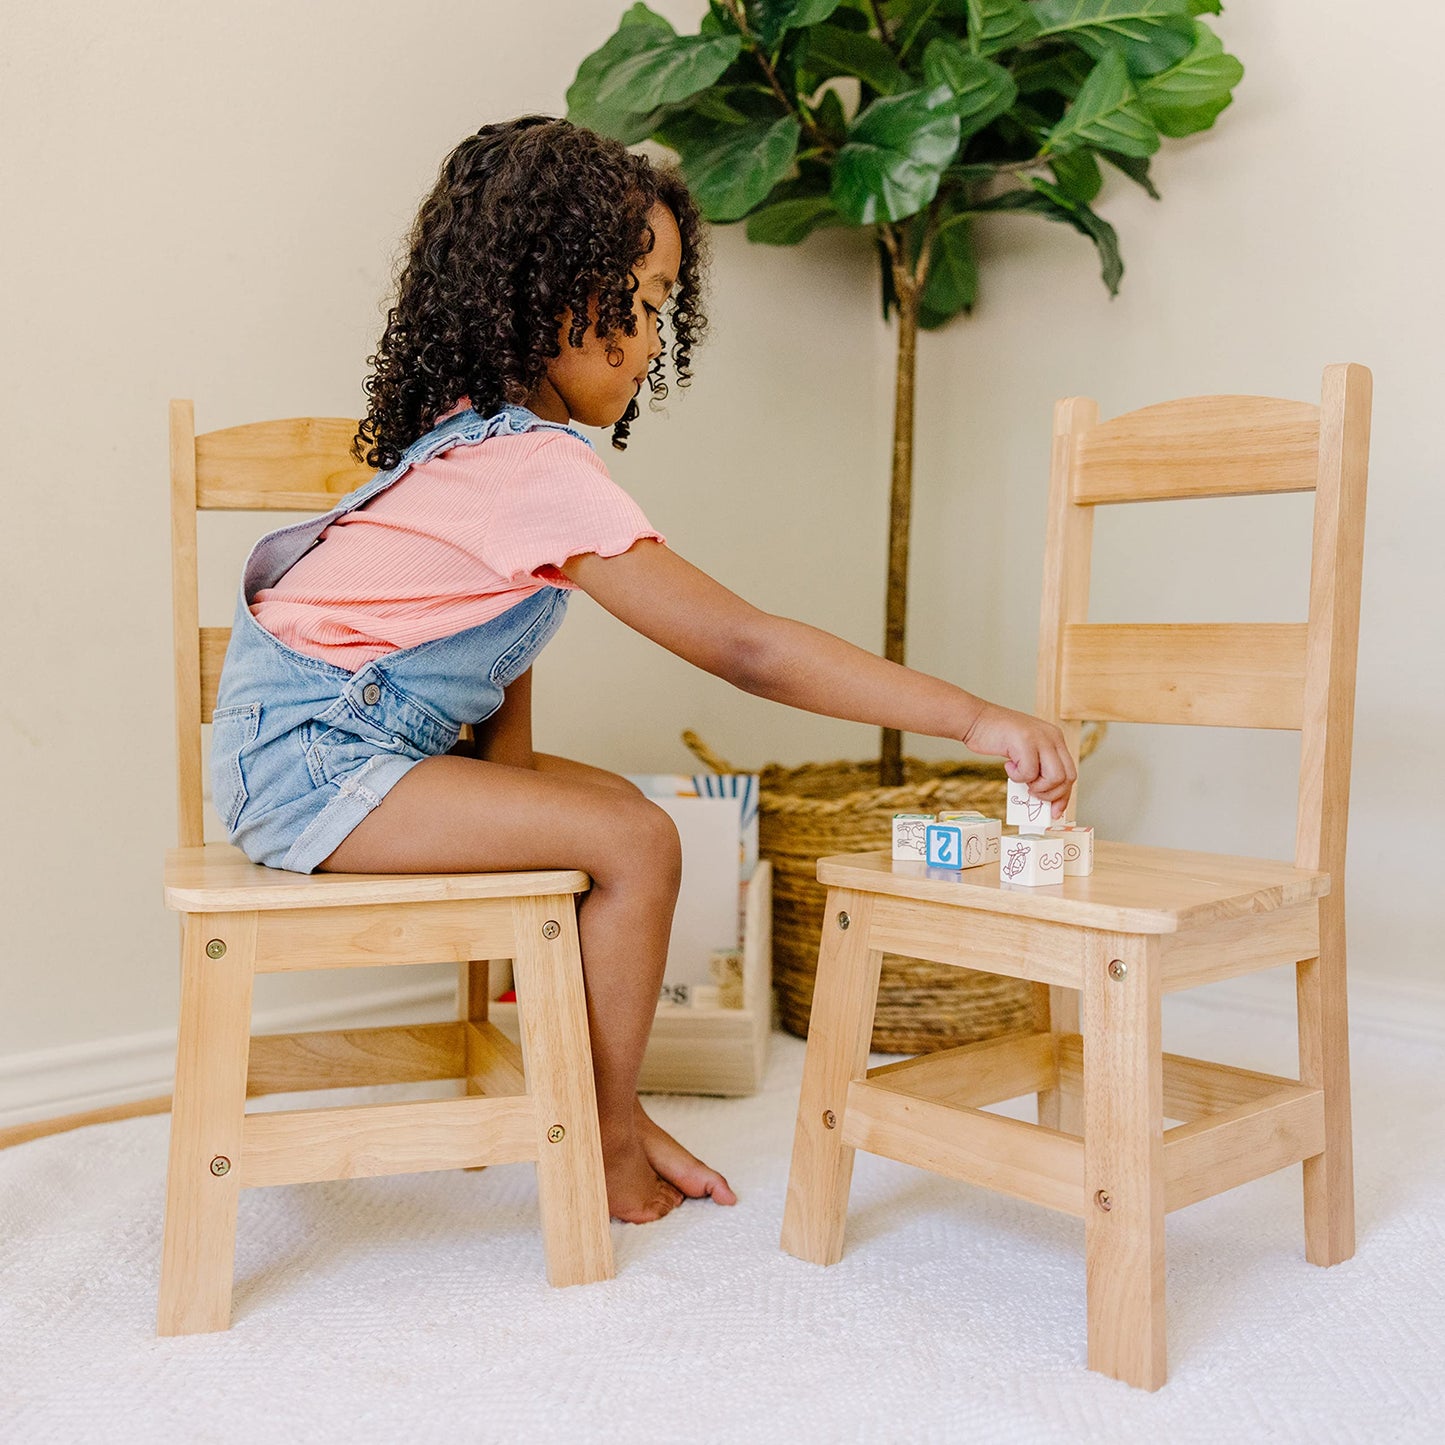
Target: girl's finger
x,y
1025,759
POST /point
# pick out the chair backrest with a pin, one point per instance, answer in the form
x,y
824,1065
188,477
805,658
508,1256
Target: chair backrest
x,y
1298,676
300,465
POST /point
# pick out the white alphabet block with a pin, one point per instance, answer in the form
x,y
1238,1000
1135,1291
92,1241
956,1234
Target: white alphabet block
x,y
993,830
960,843
1032,858
908,830
1027,813
1078,844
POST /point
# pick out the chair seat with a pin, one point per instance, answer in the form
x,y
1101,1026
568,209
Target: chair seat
x,y
1133,889
218,878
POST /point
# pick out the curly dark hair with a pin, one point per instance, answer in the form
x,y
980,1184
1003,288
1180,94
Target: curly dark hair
x,y
529,218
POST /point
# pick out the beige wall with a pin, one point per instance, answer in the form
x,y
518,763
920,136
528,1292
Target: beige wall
x,y
205,201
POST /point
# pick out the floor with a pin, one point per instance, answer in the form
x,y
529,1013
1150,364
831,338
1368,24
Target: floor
x,y
414,1308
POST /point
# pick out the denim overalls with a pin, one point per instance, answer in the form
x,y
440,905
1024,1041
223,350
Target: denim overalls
x,y
303,750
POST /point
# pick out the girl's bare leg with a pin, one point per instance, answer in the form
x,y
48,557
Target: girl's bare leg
x,y
672,1161
459,815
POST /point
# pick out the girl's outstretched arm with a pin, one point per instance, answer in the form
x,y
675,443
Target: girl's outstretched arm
x,y
657,593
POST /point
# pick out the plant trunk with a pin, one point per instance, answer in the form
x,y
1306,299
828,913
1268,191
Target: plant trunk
x,y
900,507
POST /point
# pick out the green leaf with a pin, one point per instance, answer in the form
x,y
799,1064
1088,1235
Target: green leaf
x,y
640,30
995,25
714,104
669,70
1047,200
785,223
1135,167
952,284
1094,226
769,19
1188,97
1078,174
1106,112
1205,7
639,14
1150,34
1063,73
895,156
834,51
981,89
829,114
730,178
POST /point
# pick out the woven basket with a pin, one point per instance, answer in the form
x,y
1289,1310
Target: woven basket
x,y
809,812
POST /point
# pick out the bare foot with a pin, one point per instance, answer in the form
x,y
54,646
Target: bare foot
x,y
635,1194
675,1164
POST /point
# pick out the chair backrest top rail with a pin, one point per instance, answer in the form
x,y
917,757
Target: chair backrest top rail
x,y
298,464
1201,446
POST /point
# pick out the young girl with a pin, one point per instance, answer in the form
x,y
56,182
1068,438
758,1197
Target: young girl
x,y
541,267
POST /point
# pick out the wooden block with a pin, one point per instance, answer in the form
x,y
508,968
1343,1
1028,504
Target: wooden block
x,y
908,835
993,831
1032,859
1025,812
1078,843
959,844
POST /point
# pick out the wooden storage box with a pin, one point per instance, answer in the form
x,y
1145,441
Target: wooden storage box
x,y
709,1050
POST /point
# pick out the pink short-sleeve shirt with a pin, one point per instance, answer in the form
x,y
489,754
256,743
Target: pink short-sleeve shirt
x,y
451,544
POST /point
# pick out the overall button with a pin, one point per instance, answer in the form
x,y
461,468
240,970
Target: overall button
x,y
371,694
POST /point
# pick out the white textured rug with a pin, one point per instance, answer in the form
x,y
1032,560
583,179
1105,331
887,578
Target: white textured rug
x,y
414,1308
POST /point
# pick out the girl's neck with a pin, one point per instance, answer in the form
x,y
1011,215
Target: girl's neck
x,y
546,402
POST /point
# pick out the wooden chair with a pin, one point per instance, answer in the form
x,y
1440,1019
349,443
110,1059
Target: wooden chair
x,y
239,920
1148,921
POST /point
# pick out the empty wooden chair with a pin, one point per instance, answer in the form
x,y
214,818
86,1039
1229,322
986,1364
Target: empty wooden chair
x,y
239,920
1148,921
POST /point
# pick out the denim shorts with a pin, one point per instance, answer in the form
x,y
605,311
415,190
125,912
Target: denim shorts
x,y
303,750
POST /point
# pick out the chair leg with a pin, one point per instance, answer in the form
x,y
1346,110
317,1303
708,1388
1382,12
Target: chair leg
x,y
557,1058
1057,1010
203,1182
845,998
1124,1159
1324,1058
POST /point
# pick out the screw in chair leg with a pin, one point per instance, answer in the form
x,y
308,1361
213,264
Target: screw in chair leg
x,y
207,1121
845,998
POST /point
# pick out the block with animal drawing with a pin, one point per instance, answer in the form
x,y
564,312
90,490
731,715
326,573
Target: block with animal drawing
x,y
908,836
1032,859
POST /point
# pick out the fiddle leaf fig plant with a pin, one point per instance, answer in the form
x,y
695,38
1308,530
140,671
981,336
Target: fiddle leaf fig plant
x,y
913,122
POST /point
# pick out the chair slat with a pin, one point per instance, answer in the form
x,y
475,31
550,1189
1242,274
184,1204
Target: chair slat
x,y
355,1058
305,1146
298,465
1248,675
214,641
1203,446
1255,1138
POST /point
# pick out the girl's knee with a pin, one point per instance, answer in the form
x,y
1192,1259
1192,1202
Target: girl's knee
x,y
646,841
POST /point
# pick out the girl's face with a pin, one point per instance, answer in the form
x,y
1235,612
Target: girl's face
x,y
594,383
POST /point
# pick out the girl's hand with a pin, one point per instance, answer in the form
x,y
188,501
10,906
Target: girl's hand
x,y
1035,752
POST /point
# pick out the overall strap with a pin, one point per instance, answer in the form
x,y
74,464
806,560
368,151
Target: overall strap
x,y
278,551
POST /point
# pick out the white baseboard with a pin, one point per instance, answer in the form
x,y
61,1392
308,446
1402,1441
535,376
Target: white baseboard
x,y
51,1083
